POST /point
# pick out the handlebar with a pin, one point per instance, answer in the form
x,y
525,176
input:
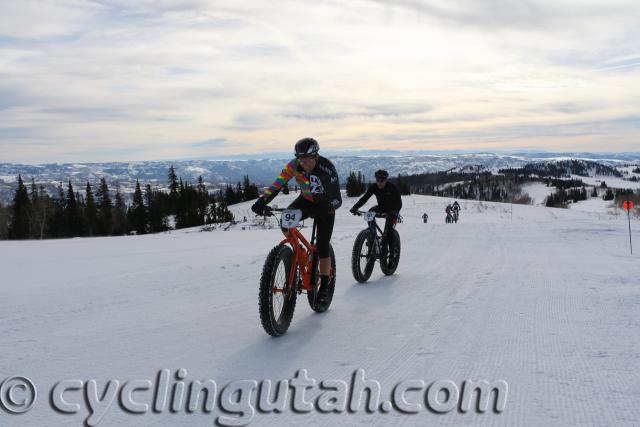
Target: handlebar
x,y
379,215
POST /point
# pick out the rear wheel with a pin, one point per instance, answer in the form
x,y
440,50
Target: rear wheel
x,y
312,297
388,265
277,297
362,256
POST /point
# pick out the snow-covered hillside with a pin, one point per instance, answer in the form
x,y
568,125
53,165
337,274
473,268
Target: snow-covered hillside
x,y
260,167
544,299
609,180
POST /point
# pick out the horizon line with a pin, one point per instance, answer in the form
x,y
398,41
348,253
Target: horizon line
x,y
286,155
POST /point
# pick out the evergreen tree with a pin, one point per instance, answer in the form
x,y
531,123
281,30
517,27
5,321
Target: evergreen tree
x,y
174,189
91,211
239,193
20,221
355,185
181,210
224,214
137,211
40,207
119,215
230,196
105,210
594,193
74,222
156,216
203,202
608,195
197,208
148,202
403,187
212,211
57,224
285,188
471,194
4,222
250,191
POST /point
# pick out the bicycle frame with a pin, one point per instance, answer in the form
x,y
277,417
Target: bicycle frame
x,y
303,253
373,227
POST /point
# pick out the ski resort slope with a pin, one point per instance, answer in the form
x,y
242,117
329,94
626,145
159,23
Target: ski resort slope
x,y
544,299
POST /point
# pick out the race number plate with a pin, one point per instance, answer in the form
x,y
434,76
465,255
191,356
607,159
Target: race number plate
x,y
369,216
290,218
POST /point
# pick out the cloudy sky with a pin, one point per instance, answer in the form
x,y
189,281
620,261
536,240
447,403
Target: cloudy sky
x,y
124,80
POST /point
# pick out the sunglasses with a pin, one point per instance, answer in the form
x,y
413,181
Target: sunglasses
x,y
306,157
381,179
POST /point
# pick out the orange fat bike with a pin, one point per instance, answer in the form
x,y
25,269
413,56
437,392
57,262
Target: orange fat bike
x,y
291,268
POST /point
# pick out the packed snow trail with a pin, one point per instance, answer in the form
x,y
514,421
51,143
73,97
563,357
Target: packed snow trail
x,y
547,302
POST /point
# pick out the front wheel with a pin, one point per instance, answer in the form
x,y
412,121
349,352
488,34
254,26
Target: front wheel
x,y
363,256
388,264
312,297
277,297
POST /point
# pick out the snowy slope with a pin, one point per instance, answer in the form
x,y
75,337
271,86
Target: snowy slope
x,y
538,192
544,299
611,181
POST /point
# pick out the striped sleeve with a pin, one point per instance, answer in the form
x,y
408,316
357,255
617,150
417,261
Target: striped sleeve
x,y
284,177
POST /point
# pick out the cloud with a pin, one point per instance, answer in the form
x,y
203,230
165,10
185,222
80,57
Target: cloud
x,y
32,19
109,76
211,143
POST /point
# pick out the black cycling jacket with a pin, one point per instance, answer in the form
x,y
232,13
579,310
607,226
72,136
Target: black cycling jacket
x,y
321,186
388,198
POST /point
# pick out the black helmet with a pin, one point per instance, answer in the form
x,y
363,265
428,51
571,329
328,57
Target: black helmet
x,y
381,174
307,147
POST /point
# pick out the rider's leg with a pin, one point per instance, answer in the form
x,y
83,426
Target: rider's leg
x,y
325,266
324,224
391,236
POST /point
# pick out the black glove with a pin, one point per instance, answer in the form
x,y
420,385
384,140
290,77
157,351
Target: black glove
x,y
354,210
259,206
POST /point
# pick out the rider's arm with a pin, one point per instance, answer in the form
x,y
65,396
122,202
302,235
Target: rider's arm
x,y
365,197
397,199
284,177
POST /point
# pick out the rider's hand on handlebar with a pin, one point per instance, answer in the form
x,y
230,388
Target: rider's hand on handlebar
x,y
261,208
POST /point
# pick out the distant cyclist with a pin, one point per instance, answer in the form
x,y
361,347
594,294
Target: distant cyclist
x,y
389,203
448,210
456,210
319,198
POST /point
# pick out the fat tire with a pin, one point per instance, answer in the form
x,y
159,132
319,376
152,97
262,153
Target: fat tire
x,y
272,326
311,296
387,269
363,275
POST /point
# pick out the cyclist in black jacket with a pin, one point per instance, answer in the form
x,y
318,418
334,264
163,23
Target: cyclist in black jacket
x,y
389,203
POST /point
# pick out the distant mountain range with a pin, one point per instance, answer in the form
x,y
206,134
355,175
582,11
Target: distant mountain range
x,y
263,169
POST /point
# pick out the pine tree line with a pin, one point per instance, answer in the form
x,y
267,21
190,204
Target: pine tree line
x,y
402,184
563,168
561,197
35,214
355,184
482,186
563,183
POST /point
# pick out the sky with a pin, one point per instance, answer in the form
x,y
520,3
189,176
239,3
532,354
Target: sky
x,y
116,80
